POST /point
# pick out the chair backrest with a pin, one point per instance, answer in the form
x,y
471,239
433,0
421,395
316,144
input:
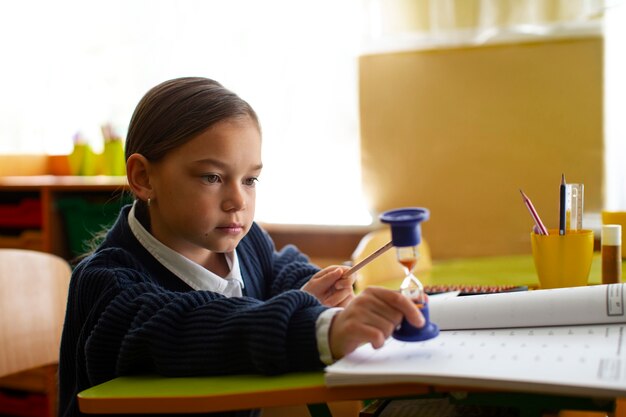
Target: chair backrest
x,y
33,296
386,267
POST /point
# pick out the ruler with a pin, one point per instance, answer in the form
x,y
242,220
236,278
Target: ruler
x,y
574,201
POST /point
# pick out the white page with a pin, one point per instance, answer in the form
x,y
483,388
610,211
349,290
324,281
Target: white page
x,y
562,306
586,360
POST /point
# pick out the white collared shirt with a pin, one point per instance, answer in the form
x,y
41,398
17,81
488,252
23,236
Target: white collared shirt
x,y
200,278
193,274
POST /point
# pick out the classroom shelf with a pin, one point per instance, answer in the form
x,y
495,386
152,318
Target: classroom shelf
x,y
35,213
24,214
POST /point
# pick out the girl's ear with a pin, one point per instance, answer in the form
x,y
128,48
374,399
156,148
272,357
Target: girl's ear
x,y
138,177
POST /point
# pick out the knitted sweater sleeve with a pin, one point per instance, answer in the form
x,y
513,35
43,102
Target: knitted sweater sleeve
x,y
288,268
141,327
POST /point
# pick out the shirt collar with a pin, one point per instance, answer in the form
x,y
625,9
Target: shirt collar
x,y
193,274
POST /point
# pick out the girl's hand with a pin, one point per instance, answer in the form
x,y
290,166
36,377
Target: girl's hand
x,y
371,318
331,287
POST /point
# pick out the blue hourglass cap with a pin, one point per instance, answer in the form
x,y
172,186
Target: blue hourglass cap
x,y
405,225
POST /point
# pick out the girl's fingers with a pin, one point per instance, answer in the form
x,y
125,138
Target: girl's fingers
x,y
323,281
347,336
371,317
373,312
378,307
346,301
339,298
373,335
345,282
404,305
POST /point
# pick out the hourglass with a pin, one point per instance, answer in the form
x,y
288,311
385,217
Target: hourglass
x,y
405,236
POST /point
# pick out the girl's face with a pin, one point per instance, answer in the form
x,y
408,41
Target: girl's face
x,y
203,193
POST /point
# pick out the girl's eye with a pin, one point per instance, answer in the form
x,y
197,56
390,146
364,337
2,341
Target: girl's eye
x,y
251,181
212,178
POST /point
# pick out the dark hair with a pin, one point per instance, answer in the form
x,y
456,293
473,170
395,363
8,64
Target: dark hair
x,y
168,116
177,110
173,113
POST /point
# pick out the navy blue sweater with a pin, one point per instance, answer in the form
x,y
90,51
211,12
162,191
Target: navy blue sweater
x,y
128,314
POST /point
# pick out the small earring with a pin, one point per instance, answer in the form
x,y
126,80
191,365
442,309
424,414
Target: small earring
x,y
148,201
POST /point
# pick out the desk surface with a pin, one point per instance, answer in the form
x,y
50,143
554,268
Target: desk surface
x,y
501,270
152,394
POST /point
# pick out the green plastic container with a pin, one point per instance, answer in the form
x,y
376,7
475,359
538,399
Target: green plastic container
x,y
85,219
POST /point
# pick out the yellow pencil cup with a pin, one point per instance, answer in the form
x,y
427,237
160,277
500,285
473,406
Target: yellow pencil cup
x,y
562,261
617,217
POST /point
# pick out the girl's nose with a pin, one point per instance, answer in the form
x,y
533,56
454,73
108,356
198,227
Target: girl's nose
x,y
235,199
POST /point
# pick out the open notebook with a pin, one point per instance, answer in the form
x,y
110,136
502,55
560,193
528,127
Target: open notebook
x,y
562,341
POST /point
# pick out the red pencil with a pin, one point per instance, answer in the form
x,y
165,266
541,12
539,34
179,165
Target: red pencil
x,y
533,212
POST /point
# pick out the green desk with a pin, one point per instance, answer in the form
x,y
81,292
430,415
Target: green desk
x,y
500,270
154,394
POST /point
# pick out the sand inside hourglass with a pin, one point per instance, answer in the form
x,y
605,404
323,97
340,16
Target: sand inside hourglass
x,y
408,264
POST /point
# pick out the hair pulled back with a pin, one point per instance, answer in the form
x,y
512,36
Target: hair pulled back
x,y
177,110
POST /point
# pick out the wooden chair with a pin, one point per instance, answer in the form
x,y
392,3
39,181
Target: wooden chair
x,y
33,296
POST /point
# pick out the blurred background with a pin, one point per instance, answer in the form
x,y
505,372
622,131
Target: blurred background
x,y
71,66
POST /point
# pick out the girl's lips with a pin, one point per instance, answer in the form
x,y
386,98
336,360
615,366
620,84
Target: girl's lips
x,y
231,229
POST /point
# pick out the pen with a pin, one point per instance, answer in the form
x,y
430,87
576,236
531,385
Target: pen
x,y
562,193
533,213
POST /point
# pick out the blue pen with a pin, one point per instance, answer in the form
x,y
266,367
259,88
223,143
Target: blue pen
x,y
562,207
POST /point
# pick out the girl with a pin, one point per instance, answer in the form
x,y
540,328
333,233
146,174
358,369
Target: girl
x,y
185,283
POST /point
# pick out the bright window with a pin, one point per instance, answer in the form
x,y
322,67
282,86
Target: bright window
x,y
71,66
614,105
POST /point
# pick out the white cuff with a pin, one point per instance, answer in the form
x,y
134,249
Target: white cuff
x,y
322,327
